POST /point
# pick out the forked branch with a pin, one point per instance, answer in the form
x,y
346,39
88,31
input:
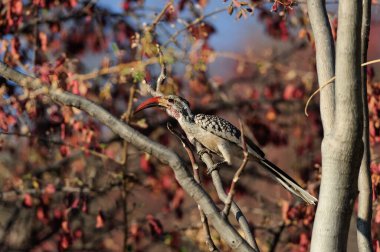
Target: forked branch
x,y
187,145
236,177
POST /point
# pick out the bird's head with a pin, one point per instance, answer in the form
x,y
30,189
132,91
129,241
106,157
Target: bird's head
x,y
176,106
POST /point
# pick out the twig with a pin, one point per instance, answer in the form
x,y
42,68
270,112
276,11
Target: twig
x,y
196,21
162,77
331,81
370,62
126,117
120,69
231,193
316,92
277,236
152,27
187,145
8,227
150,90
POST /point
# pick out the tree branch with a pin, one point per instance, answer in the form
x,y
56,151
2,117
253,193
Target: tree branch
x,y
364,218
187,145
325,52
236,177
217,181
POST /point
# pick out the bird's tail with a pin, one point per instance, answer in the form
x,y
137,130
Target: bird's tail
x,y
287,182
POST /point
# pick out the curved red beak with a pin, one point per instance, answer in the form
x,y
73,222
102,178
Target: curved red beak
x,y
152,102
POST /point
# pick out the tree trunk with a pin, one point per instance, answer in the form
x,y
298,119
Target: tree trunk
x,y
342,147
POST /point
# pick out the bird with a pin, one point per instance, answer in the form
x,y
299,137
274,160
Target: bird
x,y
222,138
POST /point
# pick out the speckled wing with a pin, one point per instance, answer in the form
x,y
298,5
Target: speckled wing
x,y
226,130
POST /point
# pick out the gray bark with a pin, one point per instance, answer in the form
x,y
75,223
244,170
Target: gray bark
x,y
143,143
342,147
364,183
325,52
217,181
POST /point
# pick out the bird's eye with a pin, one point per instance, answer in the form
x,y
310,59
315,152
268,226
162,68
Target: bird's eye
x,y
170,100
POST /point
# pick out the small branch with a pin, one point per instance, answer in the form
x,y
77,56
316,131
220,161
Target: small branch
x,y
276,238
325,58
162,77
149,89
196,21
231,193
370,62
187,145
118,69
152,27
316,92
126,117
8,227
332,81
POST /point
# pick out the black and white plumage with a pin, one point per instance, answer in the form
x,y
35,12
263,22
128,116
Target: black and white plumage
x,y
226,130
221,138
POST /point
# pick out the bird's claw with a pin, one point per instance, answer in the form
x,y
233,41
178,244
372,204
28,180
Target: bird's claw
x,y
215,167
203,151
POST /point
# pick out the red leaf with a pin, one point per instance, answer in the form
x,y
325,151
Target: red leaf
x,y
57,213
41,215
63,131
177,199
64,150
274,7
50,189
155,225
377,217
84,206
17,7
11,120
65,226
78,233
304,242
75,87
289,92
73,3
100,219
28,200
145,164
284,211
64,241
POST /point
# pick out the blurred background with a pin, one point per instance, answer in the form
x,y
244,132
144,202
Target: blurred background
x,y
70,184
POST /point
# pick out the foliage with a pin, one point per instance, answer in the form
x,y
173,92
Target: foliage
x,y
69,183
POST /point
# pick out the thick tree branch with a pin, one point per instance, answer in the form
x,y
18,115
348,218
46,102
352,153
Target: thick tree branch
x,y
166,156
364,182
325,52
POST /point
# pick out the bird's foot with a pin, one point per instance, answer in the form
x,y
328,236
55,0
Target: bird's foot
x,y
203,151
215,167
